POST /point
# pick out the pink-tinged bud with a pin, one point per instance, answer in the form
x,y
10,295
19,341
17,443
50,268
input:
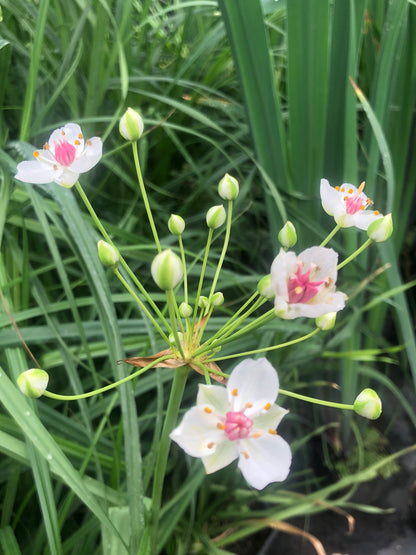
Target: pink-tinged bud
x,y
228,187
131,125
215,216
33,382
327,321
108,255
381,229
176,224
368,404
287,235
167,270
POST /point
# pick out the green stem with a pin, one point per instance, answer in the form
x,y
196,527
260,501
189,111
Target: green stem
x,y
107,387
201,277
329,237
355,254
224,248
185,277
316,401
104,233
172,315
144,195
175,399
272,348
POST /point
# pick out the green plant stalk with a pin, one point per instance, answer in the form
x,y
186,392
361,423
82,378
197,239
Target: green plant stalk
x,y
355,254
201,277
144,195
185,275
106,387
329,237
224,248
176,393
316,401
272,348
104,233
172,315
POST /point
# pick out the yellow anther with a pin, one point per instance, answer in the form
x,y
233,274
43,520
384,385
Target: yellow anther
x,y
267,406
298,290
207,410
89,142
350,191
220,426
342,189
247,456
376,212
362,207
234,392
273,432
256,435
80,136
76,142
62,132
337,188
345,198
55,167
361,188
36,153
210,445
248,405
46,146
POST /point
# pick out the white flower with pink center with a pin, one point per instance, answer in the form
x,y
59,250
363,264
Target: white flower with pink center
x,y
348,205
62,158
239,421
304,285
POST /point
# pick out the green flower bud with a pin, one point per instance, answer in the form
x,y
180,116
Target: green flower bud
x,y
167,270
368,404
326,321
264,287
203,302
33,382
185,310
381,229
228,187
217,298
287,235
216,216
131,125
108,255
172,338
176,224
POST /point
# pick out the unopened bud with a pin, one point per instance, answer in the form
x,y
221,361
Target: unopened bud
x,y
215,216
203,302
228,187
108,255
167,270
172,338
287,235
217,299
33,382
368,404
264,287
381,229
327,321
176,224
185,310
131,125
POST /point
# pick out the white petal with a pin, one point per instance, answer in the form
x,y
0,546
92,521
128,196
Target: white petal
x,y
364,218
66,177
281,307
224,454
197,430
333,302
215,397
283,266
70,131
269,419
331,199
90,157
325,259
34,172
269,460
255,382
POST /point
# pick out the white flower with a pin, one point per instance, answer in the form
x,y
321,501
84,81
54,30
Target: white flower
x,y
239,421
348,205
62,158
304,285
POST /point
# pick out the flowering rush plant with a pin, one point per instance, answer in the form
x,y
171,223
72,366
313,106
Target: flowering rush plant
x,y
236,418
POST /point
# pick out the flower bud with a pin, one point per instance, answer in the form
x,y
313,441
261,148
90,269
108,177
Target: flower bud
x,y
287,235
228,187
167,270
217,299
172,338
33,382
381,229
108,255
264,287
176,224
185,310
327,321
203,302
368,404
215,216
131,125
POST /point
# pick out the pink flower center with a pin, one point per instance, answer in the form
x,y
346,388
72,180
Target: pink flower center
x,y
237,425
357,201
300,289
64,152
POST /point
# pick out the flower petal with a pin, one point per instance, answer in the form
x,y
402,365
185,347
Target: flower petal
x,y
269,419
90,157
334,302
197,431
254,382
34,172
362,219
331,199
213,396
225,453
283,266
264,460
66,177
